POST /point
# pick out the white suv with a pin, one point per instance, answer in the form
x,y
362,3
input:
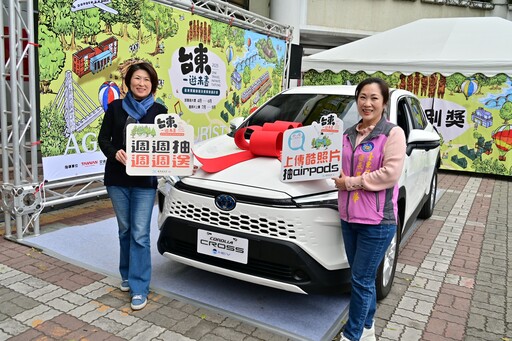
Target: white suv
x,y
288,233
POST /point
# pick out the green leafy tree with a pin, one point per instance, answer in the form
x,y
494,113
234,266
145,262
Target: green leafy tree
x,y
128,14
158,20
278,75
506,112
87,25
359,77
496,81
53,125
51,58
109,18
58,19
238,37
235,100
246,75
453,82
219,33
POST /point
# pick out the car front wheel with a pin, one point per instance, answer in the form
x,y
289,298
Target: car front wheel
x,y
386,271
428,208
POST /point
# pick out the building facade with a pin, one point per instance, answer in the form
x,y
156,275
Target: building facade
x,y
323,24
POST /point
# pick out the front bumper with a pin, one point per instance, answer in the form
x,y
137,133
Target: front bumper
x,y
271,260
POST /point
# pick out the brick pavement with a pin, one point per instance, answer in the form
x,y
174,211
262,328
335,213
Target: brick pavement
x,y
451,283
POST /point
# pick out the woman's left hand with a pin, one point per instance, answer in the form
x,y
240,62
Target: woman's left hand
x,y
339,182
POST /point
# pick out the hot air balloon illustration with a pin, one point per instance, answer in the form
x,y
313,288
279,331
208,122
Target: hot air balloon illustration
x,y
469,87
108,92
503,140
248,42
229,53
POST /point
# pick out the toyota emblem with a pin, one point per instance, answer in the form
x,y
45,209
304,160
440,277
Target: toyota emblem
x,y
225,202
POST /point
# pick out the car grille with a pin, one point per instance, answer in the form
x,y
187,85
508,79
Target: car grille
x,y
267,226
254,266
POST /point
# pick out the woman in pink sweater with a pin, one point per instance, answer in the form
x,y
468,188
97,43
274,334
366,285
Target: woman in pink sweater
x,y
373,158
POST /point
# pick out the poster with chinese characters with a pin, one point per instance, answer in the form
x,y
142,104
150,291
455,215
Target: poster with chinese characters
x,y
162,148
209,72
312,152
471,113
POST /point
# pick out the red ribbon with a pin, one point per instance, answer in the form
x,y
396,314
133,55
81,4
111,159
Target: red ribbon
x,y
266,140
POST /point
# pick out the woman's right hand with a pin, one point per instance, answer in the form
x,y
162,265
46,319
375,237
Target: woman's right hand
x,y
121,156
339,182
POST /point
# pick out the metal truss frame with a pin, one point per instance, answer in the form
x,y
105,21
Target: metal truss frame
x,y
20,194
23,192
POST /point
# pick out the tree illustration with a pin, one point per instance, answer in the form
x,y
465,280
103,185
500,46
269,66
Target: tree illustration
x,y
246,76
53,125
110,18
453,82
87,25
51,58
159,20
57,19
506,112
128,14
236,100
219,33
237,37
496,81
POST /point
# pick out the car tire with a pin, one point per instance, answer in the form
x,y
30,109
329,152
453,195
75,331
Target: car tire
x,y
386,271
428,208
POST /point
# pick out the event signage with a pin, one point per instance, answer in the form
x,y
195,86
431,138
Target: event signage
x,y
312,152
472,114
209,72
162,148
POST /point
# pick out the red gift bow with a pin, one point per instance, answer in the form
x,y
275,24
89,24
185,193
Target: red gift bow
x,y
266,140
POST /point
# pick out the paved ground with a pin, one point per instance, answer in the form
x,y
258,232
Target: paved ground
x,y
454,282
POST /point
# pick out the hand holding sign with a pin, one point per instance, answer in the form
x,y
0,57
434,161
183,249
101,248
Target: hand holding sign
x,y
162,148
319,159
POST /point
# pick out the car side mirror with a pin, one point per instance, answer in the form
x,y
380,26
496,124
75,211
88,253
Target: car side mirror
x,y
421,139
235,123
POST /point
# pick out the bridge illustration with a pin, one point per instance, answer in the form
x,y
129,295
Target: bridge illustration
x,y
499,101
78,109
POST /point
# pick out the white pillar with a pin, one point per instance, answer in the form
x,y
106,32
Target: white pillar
x,y
501,9
289,12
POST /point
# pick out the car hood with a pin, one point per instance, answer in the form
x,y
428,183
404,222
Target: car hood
x,y
259,176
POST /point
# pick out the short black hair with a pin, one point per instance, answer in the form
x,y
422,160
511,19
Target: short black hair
x,y
384,88
153,76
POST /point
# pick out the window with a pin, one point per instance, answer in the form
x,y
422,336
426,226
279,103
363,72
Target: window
x,y
402,114
240,3
419,120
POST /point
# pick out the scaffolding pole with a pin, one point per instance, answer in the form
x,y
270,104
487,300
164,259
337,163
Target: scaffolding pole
x,y
19,191
23,194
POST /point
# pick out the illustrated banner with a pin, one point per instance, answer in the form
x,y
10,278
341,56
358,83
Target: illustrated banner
x,y
209,72
472,114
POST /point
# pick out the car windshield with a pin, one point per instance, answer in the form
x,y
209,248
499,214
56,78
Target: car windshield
x,y
305,108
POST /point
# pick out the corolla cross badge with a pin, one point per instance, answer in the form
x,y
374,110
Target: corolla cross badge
x,y
225,202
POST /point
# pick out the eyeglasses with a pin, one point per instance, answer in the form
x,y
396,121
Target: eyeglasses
x,y
129,120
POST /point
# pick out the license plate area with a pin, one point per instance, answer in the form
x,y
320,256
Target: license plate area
x,y
222,246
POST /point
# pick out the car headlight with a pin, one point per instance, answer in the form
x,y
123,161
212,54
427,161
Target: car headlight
x,y
329,200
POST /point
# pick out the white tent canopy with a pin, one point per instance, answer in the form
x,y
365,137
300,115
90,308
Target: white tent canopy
x,y
444,45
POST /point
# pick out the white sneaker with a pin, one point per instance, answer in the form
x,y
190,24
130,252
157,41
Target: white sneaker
x,y
124,286
369,334
343,338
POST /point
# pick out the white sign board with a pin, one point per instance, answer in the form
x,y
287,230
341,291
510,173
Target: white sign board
x,y
222,246
312,152
160,149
